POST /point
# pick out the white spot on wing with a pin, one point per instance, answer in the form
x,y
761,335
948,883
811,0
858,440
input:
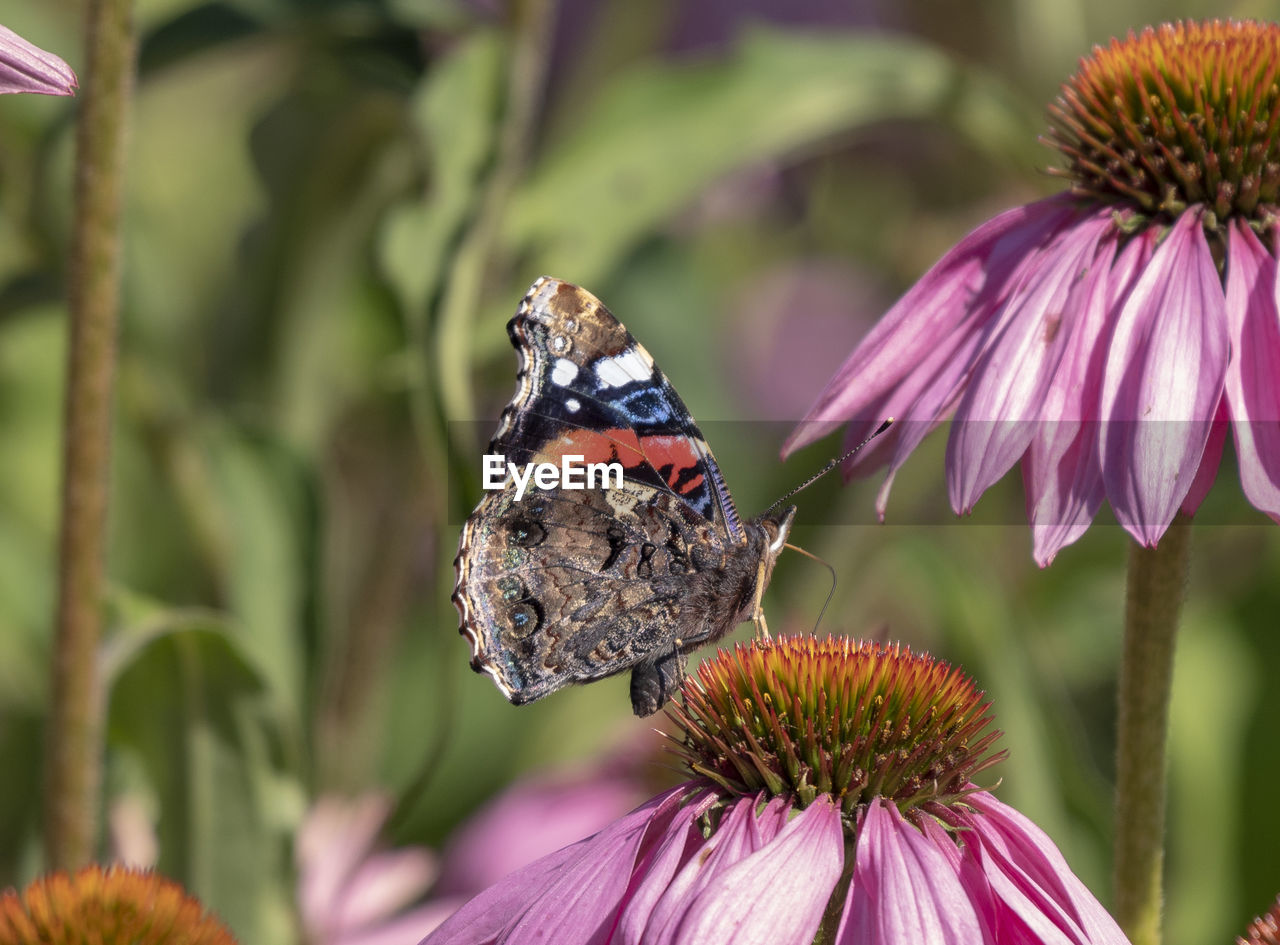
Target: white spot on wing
x,y
631,365
572,405
564,372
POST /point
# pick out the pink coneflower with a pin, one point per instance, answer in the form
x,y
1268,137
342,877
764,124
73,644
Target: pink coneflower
x,y
832,796
1107,335
111,906
25,67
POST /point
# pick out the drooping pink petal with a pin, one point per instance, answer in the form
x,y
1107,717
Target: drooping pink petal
x,y
778,894
654,876
1031,881
939,311
1061,474
570,896
1162,383
931,403
1209,462
1004,402
25,67
739,834
904,889
1253,376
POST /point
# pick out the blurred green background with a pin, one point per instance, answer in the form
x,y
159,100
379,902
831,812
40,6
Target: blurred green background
x,y
334,207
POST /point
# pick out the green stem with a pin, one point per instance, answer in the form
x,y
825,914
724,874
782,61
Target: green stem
x,y
1156,587
73,746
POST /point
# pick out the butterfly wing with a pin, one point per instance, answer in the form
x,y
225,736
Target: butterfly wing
x,y
561,586
588,388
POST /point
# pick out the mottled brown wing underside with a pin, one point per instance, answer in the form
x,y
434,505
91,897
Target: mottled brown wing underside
x,y
562,587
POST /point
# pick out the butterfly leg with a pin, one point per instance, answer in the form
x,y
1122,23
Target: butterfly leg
x,y
656,681
762,625
757,612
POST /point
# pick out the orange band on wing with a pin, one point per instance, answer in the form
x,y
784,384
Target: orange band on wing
x,y
678,453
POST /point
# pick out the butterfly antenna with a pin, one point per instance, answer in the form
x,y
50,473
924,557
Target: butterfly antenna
x,y
827,468
830,594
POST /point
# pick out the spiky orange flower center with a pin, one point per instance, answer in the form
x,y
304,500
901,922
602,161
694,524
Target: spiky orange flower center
x,y
1186,113
113,906
802,716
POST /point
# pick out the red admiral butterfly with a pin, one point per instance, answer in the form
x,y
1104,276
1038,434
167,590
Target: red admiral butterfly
x,y
555,585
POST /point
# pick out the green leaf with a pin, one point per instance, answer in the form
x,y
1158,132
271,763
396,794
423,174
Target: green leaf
x,y
188,709
264,500
660,134
456,113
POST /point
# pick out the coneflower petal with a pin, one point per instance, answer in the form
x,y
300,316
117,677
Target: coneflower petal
x,y
778,894
1004,403
1163,380
567,896
1031,881
1062,475
904,889
1209,462
739,834
25,67
682,840
937,312
1253,376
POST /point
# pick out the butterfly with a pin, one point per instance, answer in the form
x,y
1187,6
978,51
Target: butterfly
x,y
557,584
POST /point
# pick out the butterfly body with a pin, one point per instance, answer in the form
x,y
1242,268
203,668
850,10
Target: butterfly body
x,y
559,586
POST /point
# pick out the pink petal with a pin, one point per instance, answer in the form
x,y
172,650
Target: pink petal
x,y
935,389
778,894
654,876
333,840
939,311
570,896
1209,462
383,885
1063,493
1062,474
529,820
1031,881
905,888
1005,401
25,67
1253,376
1163,380
739,835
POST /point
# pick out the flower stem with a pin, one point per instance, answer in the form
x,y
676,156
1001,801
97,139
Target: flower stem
x,y
1156,586
73,751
